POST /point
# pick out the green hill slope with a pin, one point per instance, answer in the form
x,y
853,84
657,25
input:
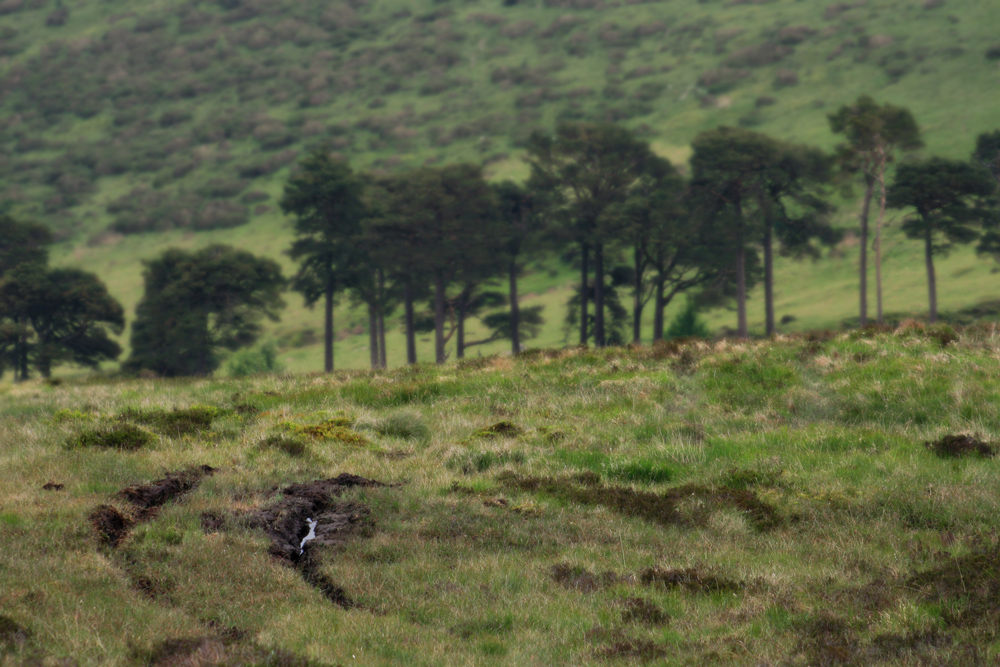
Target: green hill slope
x,y
127,126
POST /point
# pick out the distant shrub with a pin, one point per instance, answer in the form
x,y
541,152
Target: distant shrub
x,y
760,55
219,188
993,53
57,17
722,79
687,323
254,361
784,78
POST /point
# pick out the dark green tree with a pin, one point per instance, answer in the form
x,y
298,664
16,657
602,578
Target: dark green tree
x,y
950,200
196,303
987,154
585,173
68,313
326,199
525,236
21,244
874,134
438,223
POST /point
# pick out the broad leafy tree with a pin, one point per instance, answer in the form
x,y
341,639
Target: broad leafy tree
x,y
22,243
585,173
326,199
70,315
198,303
950,200
874,134
987,154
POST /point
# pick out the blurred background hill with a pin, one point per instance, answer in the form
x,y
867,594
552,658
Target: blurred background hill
x,y
128,126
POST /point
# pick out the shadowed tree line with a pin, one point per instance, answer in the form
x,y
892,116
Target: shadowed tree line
x,y
445,246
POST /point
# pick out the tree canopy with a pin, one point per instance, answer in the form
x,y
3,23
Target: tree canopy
x,y
198,303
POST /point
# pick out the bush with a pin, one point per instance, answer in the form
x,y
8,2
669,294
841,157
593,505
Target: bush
x,y
254,361
687,323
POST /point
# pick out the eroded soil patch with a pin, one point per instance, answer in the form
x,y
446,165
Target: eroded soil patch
x,y
664,509
957,446
285,524
112,525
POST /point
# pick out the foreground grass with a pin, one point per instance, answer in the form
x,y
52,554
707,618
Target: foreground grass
x,y
707,503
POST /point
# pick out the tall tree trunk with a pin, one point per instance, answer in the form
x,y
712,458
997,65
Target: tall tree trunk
x,y
637,295
878,239
382,361
515,309
742,331
460,325
438,317
768,278
44,360
372,334
411,336
863,273
20,356
599,339
584,294
328,328
931,280
658,307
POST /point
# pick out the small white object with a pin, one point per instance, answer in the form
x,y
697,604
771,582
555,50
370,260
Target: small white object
x,y
311,535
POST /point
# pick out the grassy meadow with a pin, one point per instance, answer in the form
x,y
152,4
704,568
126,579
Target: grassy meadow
x,y
816,499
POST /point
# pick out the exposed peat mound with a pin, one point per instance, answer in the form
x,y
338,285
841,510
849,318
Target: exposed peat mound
x,y
147,497
957,446
13,636
217,652
661,508
579,578
967,588
285,523
826,640
212,522
112,525
53,486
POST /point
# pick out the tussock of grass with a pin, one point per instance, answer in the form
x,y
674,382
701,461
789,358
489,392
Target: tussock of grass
x,y
120,436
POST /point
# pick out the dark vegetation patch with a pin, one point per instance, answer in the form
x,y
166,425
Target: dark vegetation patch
x,y
123,437
579,578
217,652
213,522
246,409
502,429
661,508
957,446
288,444
619,646
337,429
967,588
177,422
53,486
13,636
640,610
285,524
690,579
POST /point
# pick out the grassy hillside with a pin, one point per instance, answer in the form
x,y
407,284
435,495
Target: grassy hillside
x,y
760,503
128,126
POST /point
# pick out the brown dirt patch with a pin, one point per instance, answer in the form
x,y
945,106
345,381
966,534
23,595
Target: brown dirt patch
x,y
285,524
619,646
162,491
212,522
111,525
957,446
580,579
53,486
661,508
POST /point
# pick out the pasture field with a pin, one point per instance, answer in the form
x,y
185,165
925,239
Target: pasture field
x,y
820,498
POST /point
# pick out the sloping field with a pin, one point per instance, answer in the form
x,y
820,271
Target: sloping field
x,y
812,500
